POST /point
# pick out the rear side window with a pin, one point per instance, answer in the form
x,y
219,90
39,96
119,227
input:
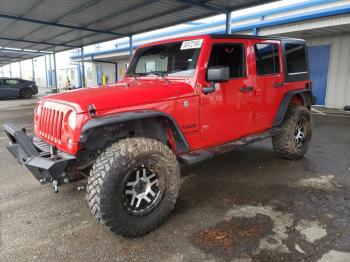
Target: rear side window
x,y
230,55
11,81
267,59
296,58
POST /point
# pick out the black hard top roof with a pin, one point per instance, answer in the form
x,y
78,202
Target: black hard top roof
x,y
237,36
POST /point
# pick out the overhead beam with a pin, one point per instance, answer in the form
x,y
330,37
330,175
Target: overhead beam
x,y
110,16
148,18
30,8
80,8
205,5
103,61
36,42
36,21
21,51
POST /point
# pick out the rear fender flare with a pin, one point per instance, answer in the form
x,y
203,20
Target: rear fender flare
x,y
306,97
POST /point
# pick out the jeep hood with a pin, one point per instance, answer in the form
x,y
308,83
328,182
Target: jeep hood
x,y
121,94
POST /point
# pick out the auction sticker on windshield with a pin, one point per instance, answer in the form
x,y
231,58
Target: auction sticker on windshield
x,y
191,44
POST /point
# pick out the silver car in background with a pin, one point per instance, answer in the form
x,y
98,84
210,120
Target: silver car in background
x,y
16,87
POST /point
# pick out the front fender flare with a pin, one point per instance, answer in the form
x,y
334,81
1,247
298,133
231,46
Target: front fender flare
x,y
132,116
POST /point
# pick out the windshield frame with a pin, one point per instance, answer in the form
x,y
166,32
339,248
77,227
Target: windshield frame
x,y
140,51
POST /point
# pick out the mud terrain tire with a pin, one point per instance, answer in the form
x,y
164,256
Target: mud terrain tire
x,y
111,174
297,121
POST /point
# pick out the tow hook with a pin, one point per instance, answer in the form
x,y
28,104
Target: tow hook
x,y
55,186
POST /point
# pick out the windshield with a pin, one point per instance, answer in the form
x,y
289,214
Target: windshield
x,y
175,59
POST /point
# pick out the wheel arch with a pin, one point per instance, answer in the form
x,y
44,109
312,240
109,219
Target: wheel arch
x,y
96,133
292,97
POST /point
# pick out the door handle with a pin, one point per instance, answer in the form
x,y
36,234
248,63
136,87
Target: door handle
x,y
246,89
278,84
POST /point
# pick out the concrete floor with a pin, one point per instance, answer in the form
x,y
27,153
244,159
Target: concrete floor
x,y
247,205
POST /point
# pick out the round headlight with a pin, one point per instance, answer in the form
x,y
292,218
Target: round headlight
x,y
72,120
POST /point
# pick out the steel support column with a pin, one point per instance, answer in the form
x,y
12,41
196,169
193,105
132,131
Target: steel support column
x,y
51,83
33,70
55,72
10,70
2,69
131,48
82,67
46,77
228,23
20,69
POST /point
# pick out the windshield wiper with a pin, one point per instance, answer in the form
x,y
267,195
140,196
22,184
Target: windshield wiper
x,y
136,75
158,73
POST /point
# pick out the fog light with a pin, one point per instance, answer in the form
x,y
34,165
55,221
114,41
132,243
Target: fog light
x,y
70,143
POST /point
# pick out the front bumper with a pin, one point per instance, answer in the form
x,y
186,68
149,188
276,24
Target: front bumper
x,y
35,154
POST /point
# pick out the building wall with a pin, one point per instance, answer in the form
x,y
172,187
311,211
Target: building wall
x,y
122,67
91,72
338,85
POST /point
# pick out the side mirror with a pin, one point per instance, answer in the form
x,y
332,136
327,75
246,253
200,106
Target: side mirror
x,y
216,74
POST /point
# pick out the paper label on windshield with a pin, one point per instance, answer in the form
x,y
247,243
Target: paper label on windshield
x,y
191,44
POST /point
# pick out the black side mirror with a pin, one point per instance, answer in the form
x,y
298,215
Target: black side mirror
x,y
216,74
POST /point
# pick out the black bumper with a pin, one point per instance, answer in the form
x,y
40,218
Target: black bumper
x,y
41,163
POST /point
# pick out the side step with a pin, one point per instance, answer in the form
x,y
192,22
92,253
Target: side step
x,y
200,155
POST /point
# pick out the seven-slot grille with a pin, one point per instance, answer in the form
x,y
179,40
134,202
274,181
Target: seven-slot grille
x,y
50,124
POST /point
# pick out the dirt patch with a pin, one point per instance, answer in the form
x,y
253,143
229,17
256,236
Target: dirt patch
x,y
234,238
326,182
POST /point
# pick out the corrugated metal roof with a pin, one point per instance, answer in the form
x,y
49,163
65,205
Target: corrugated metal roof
x,y
57,25
10,56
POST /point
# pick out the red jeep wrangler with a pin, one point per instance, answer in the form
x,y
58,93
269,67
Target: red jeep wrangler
x,y
182,101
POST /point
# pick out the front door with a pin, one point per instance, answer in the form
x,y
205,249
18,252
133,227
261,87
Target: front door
x,y
226,114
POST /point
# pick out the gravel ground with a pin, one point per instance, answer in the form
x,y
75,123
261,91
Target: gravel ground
x,y
246,205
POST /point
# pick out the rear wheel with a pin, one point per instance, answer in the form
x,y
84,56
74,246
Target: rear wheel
x,y
133,186
294,138
26,93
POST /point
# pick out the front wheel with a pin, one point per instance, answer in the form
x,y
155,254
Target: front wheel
x,y
294,138
133,186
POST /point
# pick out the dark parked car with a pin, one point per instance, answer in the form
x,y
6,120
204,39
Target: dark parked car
x,y
15,87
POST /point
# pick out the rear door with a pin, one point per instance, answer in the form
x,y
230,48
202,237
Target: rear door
x,y
269,82
227,113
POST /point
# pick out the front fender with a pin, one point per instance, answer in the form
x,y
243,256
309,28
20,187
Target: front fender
x,y
127,117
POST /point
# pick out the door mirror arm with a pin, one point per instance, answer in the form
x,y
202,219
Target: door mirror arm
x,y
209,89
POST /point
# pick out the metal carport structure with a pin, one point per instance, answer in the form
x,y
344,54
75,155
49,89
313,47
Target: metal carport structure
x,y
59,25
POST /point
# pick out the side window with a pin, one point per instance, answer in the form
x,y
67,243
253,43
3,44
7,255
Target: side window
x,y
296,58
230,55
267,59
11,81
